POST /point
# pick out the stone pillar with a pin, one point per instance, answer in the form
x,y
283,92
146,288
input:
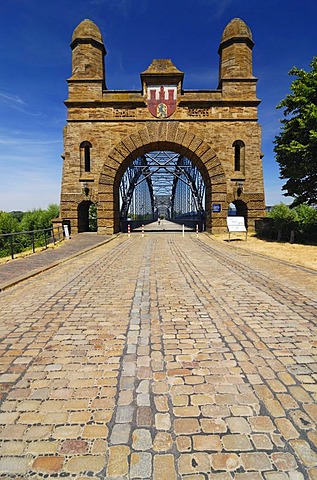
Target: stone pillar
x,y
88,71
236,51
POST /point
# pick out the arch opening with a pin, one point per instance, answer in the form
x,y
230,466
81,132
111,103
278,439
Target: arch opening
x,y
87,216
147,140
239,156
162,184
85,149
240,209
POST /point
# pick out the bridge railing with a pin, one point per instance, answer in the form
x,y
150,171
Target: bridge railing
x,y
17,242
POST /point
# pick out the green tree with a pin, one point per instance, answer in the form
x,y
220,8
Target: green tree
x,y
8,223
306,219
33,220
53,211
284,221
37,219
93,220
18,214
296,145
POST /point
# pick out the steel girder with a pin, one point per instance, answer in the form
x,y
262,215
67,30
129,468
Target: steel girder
x,y
130,180
167,175
186,172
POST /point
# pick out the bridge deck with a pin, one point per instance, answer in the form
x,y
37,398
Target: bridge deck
x,y
163,226
160,357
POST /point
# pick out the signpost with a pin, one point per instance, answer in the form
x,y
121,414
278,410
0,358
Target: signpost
x,y
236,224
66,232
216,207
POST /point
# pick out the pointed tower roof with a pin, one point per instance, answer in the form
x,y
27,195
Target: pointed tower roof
x,y
87,30
162,66
162,71
237,30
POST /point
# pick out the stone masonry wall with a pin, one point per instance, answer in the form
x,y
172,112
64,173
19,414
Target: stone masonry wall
x,y
120,127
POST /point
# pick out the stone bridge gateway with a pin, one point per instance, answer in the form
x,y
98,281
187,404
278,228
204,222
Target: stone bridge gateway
x,y
216,129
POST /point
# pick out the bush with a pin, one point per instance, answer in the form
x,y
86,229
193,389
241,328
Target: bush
x,y
284,223
306,219
36,219
93,218
8,223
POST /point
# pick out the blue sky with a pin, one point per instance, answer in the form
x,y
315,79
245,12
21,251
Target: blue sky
x,y
36,61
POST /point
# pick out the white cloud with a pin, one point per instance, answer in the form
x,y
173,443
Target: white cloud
x,y
219,6
16,137
16,103
6,97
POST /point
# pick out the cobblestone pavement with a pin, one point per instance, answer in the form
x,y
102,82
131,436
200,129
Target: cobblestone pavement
x,y
160,357
30,265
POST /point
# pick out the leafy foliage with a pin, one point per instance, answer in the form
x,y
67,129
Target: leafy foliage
x,y
92,217
36,219
284,221
306,219
18,214
302,220
8,223
296,145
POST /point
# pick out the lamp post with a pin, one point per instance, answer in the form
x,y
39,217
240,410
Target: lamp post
x,y
239,185
85,188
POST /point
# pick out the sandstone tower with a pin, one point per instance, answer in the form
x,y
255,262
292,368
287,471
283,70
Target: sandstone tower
x,y
106,130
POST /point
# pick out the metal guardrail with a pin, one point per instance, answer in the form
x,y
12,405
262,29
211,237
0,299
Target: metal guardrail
x,y
37,238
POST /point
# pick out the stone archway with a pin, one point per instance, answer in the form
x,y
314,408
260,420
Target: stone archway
x,y
108,129
160,136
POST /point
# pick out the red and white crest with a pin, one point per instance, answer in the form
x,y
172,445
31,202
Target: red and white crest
x,y
161,100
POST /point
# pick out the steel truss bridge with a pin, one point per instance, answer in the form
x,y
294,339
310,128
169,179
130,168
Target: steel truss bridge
x,y
162,183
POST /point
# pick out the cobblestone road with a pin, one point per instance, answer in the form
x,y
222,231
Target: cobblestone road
x,y
160,358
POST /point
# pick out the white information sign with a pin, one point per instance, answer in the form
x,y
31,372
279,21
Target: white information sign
x,y
236,224
66,232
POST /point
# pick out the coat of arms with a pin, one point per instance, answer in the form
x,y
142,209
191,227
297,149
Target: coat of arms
x,y
162,100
